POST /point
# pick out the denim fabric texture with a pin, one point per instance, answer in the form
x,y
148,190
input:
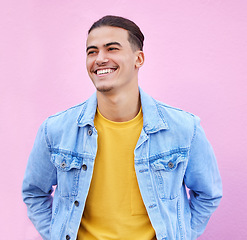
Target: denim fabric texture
x,y
172,153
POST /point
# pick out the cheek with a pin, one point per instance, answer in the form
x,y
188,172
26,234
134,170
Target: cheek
x,y
89,65
131,64
126,62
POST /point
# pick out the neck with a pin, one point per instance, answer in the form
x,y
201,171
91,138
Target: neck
x,y
120,107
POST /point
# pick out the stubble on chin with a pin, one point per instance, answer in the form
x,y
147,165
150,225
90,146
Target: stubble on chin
x,y
104,89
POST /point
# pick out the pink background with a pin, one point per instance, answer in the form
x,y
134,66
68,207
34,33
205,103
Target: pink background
x,y
196,59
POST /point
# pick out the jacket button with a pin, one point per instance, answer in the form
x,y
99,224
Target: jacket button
x,y
170,165
89,132
63,165
76,203
84,167
67,237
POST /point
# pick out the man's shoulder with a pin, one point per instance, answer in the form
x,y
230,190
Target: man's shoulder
x,y
178,119
164,110
66,118
71,112
181,124
159,115
174,111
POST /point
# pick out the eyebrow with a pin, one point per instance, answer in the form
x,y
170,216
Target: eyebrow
x,y
112,43
106,45
91,47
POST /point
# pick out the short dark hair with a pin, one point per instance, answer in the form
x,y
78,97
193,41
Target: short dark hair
x,y
136,37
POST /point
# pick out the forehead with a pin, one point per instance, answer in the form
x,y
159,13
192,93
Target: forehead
x,y
105,34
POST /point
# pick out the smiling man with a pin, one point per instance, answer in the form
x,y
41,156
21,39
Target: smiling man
x,y
113,64
120,161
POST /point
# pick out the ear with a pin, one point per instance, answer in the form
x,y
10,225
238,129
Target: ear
x,y
139,59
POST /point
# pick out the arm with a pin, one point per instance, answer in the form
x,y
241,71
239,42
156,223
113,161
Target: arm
x,y
39,178
203,179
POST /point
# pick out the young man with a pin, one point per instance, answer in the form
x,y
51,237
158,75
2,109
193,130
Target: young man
x,y
120,161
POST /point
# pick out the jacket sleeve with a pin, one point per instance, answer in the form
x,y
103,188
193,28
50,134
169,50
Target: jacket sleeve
x,y
39,178
203,179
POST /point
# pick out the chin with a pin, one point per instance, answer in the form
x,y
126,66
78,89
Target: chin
x,y
104,89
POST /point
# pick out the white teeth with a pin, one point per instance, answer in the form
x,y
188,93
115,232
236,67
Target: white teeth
x,y
104,71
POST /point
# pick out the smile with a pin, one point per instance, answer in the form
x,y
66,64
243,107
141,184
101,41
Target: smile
x,y
104,71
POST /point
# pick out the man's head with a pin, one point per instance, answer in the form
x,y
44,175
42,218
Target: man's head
x,y
136,37
114,54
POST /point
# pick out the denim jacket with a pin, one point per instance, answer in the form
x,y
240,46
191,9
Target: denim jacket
x,y
171,155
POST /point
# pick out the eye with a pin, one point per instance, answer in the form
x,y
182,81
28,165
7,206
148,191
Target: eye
x,y
113,49
91,52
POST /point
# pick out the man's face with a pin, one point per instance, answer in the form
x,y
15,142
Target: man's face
x,y
111,63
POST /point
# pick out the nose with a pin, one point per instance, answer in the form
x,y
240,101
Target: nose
x,y
101,58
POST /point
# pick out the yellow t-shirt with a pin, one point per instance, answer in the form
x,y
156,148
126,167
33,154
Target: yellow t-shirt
x,y
114,208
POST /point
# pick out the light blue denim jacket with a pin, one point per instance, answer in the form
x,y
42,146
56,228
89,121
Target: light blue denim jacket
x,y
171,153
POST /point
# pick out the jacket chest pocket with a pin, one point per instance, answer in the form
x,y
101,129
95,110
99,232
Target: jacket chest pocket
x,y
68,172
168,173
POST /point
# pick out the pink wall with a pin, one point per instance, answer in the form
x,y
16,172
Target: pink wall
x,y
196,59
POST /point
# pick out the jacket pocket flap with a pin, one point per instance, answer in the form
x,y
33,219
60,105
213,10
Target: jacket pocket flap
x,y
167,163
65,162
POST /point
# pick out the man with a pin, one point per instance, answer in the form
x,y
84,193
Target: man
x,y
120,161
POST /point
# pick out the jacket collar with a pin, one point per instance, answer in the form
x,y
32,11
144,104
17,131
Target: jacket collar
x,y
87,114
153,119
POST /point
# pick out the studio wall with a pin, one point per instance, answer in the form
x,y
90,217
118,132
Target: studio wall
x,y
195,59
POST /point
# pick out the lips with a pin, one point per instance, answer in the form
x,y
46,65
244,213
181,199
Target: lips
x,y
104,71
